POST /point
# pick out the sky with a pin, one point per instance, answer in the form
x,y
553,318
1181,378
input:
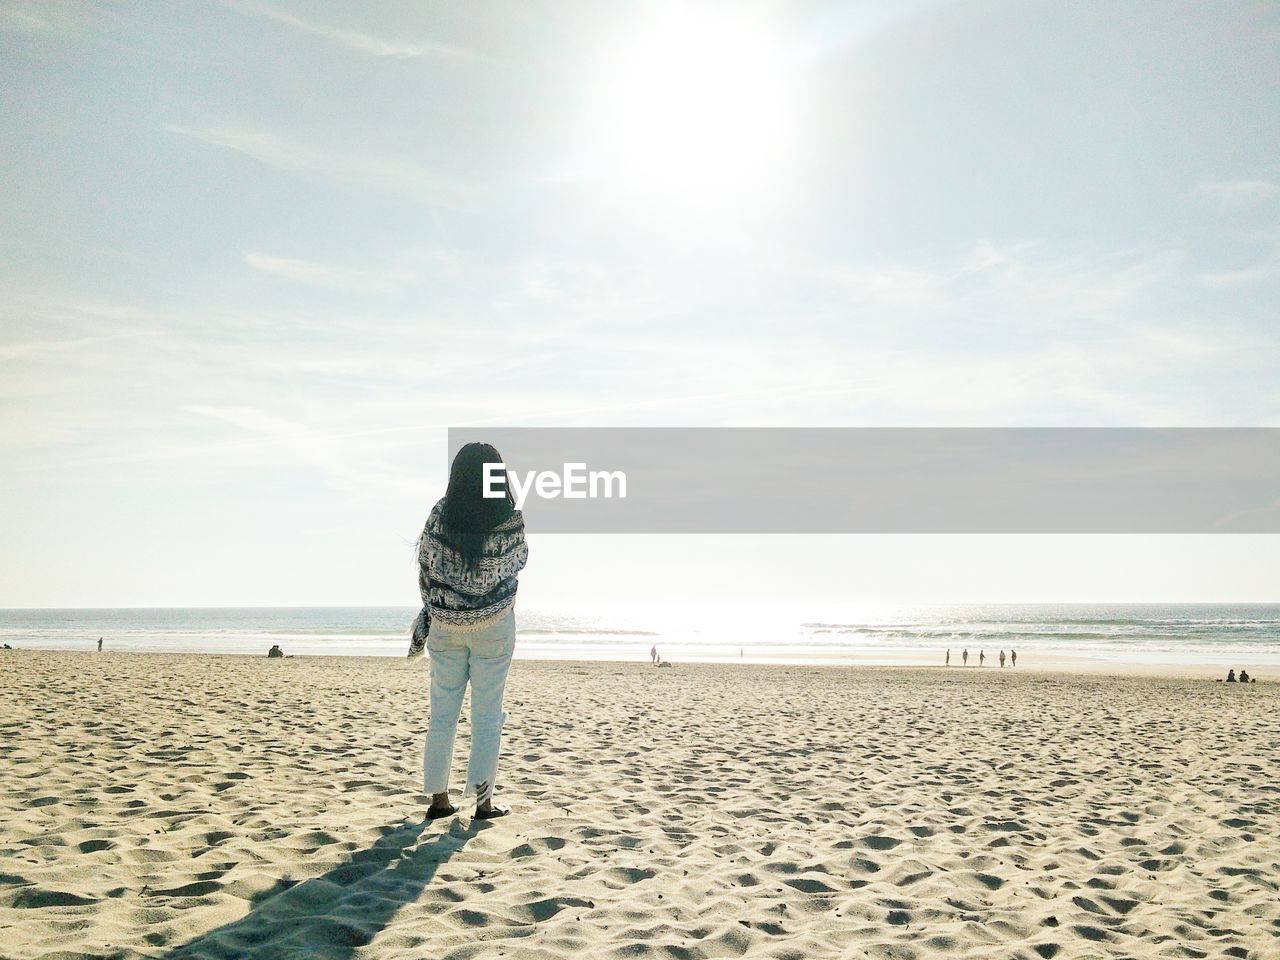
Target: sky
x,y
256,257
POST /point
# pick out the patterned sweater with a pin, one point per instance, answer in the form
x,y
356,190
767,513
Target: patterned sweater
x,y
464,595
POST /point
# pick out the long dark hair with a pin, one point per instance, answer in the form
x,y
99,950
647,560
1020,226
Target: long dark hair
x,y
469,515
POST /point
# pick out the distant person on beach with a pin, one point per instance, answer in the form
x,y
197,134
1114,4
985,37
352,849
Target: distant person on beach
x,y
1013,657
965,656
99,644
1001,659
469,556
1244,675
1231,676
947,661
275,651
982,658
653,654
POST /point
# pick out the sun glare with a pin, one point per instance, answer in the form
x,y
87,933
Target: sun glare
x,y
697,107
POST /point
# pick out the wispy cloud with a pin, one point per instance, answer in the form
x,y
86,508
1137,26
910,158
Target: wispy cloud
x,y
351,39
1019,286
1025,334
26,17
406,271
1261,271
348,468
348,167
1235,193
34,348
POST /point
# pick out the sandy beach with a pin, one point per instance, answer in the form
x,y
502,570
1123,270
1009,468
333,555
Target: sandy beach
x,y
156,805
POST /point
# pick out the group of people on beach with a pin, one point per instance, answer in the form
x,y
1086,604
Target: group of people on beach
x,y
1244,676
982,657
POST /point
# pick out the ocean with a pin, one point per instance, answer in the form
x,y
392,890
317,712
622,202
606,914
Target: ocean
x,y
1225,635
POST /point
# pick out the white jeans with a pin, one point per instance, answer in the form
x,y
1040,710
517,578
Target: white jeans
x,y
482,657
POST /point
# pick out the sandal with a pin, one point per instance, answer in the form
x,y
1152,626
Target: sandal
x,y
436,813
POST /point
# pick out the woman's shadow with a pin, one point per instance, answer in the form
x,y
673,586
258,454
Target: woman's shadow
x,y
332,916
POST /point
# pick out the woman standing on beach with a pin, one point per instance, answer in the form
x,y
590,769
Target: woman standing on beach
x,y
469,554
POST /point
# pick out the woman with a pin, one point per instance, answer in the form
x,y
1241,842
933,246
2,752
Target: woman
x,y
469,554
